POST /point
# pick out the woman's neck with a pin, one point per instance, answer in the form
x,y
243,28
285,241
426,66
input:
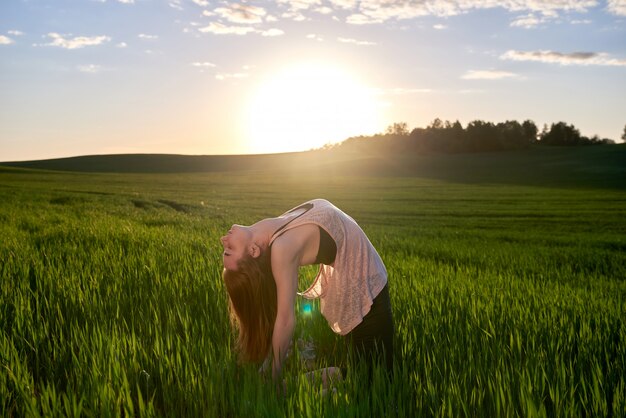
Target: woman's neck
x,y
263,230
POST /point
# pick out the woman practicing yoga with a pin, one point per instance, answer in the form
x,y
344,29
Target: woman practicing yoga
x,y
261,265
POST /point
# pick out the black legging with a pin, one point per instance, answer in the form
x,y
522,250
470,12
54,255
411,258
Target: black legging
x,y
372,339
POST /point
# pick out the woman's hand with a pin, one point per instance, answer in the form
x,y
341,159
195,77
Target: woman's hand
x,y
327,376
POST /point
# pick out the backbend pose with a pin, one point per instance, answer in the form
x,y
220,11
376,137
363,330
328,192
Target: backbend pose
x,y
261,264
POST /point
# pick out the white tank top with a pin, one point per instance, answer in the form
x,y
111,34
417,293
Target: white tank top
x,y
346,289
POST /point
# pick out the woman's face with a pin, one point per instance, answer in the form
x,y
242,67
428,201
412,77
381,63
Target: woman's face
x,y
236,243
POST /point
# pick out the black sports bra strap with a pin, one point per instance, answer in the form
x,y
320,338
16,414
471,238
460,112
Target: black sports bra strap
x,y
308,207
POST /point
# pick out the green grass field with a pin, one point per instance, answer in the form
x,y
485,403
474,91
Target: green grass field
x,y
508,300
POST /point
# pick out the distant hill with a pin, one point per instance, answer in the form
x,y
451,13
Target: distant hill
x,y
160,163
590,166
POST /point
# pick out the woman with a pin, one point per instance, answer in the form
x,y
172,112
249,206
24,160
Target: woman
x,y
261,275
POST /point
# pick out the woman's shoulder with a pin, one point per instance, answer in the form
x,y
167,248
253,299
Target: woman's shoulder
x,y
295,235
295,242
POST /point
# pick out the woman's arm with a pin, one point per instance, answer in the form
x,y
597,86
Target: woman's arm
x,y
285,270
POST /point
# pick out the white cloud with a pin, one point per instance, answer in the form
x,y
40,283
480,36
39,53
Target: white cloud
x,y
361,19
580,22
528,21
574,58
398,9
375,11
272,32
552,7
297,5
76,42
324,10
220,29
89,68
5,40
147,37
439,26
242,13
617,7
356,42
344,4
207,13
488,75
15,32
203,64
315,37
294,15
378,11
176,4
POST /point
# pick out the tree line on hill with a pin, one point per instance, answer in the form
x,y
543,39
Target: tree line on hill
x,y
477,136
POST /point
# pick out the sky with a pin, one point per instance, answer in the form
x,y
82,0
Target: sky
x,y
83,77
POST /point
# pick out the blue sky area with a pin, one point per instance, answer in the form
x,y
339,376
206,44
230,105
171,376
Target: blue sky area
x,y
219,77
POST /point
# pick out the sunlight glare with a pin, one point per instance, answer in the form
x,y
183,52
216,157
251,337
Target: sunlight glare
x,y
308,106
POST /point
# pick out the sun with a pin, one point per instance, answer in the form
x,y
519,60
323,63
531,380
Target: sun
x,y
307,106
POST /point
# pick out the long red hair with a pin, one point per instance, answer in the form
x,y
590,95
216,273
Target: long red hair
x,y
252,293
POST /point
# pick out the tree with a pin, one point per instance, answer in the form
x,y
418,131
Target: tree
x,y
436,124
624,134
596,140
443,136
562,134
530,131
456,136
398,128
483,136
512,134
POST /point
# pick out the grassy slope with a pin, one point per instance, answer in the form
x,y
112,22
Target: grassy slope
x,y
597,166
508,298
